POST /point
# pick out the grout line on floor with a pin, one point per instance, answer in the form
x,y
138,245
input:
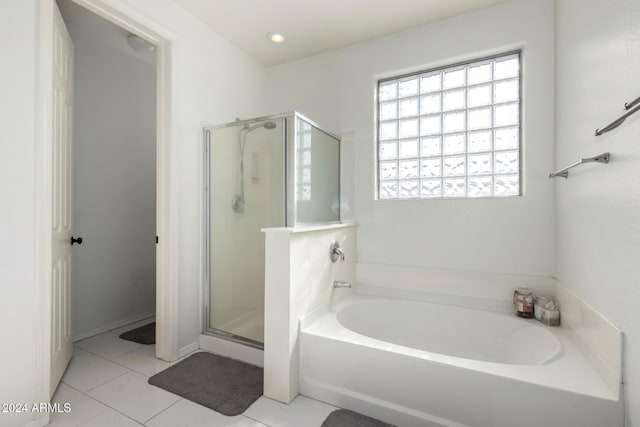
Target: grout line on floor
x,y
106,407
148,319
113,409
101,384
165,409
131,369
110,360
253,419
130,351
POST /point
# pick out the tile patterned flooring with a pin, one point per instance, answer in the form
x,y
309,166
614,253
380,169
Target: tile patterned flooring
x,y
106,385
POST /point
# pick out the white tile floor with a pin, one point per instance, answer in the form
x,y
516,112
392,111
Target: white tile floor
x,y
106,385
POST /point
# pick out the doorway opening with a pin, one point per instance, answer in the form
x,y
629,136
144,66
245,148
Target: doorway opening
x,y
114,175
54,310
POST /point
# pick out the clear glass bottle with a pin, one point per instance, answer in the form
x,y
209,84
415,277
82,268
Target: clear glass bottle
x,y
523,302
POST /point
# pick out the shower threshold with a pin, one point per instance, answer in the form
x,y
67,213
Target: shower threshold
x,y
245,329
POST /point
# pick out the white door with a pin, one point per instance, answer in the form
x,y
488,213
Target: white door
x,y
62,129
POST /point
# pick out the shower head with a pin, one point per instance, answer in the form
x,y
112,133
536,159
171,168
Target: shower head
x,y
267,125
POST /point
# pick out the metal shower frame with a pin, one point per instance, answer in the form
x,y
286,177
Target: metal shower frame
x,y
290,219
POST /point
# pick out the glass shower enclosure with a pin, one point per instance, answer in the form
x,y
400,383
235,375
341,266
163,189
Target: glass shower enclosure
x,y
275,171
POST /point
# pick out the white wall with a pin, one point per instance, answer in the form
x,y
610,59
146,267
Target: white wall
x,y
114,203
597,207
18,43
336,89
213,82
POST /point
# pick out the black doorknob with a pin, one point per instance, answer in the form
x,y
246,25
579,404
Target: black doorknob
x,y
76,240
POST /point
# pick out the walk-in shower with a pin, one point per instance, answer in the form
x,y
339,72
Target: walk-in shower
x,y
272,171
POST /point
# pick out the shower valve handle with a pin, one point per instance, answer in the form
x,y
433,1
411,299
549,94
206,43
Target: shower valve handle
x,y
335,252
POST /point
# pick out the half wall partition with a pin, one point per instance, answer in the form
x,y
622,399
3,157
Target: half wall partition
x,y
275,171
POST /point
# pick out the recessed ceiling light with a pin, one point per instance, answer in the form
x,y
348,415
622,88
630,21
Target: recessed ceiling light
x,y
275,37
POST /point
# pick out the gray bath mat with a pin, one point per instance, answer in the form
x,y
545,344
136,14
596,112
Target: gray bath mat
x,y
346,418
144,334
224,385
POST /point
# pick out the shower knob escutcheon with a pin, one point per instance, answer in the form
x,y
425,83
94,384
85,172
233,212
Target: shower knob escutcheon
x,y
335,252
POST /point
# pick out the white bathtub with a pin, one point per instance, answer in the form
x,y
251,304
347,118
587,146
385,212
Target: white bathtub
x,y
422,364
451,330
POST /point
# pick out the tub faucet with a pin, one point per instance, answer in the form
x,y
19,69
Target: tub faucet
x,y
335,252
341,284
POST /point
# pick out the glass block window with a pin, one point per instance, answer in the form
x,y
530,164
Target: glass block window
x,y
452,132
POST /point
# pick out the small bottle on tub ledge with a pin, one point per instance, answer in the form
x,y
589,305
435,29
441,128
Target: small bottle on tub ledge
x,y
547,311
523,301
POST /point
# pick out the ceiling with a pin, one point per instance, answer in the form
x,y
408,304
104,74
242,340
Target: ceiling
x,y
315,26
82,23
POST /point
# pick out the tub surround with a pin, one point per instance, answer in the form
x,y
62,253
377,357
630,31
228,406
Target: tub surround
x,y
487,290
598,339
298,280
413,387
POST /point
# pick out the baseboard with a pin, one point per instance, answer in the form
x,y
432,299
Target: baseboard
x,y
111,326
189,348
233,350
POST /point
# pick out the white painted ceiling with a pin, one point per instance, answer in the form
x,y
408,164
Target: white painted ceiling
x,y
315,26
82,23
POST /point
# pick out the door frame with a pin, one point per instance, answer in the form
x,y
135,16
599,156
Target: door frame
x,y
166,182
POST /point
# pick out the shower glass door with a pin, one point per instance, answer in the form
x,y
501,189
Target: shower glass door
x,y
245,192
